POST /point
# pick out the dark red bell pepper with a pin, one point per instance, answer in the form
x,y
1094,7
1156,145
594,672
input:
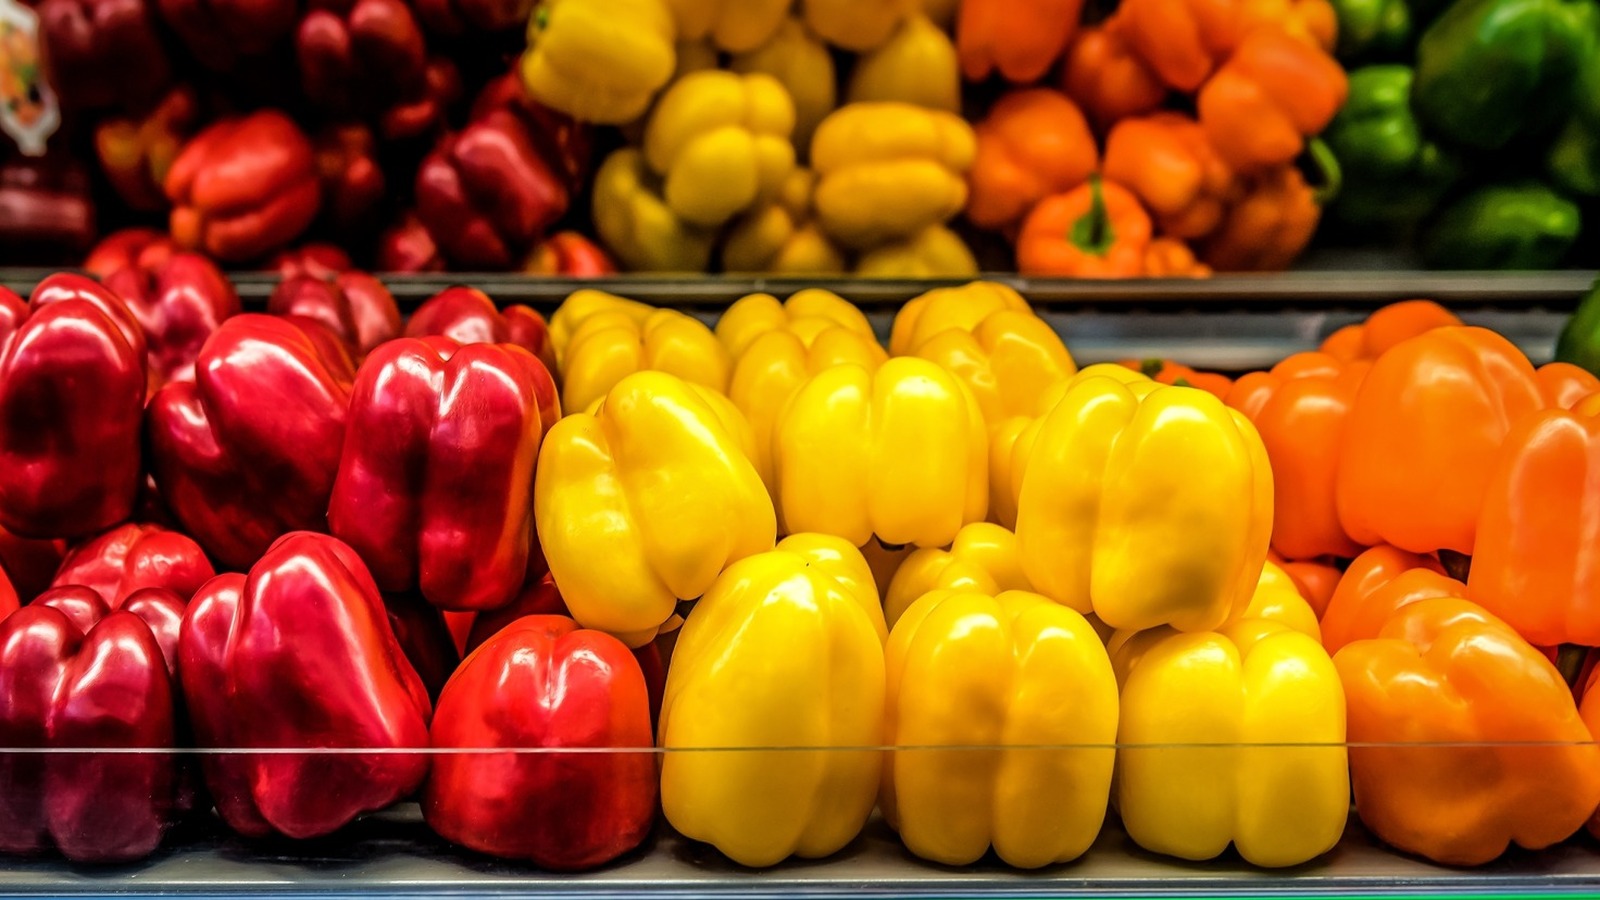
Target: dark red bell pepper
x,y
566,143
569,254
456,17
127,247
299,655
72,389
244,187
316,259
354,305
9,603
422,110
435,487
358,56
545,682
30,563
133,557
467,315
247,451
178,302
425,639
352,180
406,246
47,213
221,34
136,151
102,54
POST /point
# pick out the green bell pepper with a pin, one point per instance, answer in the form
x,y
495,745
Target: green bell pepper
x,y
1489,71
1521,225
1579,342
1373,29
1394,176
1573,161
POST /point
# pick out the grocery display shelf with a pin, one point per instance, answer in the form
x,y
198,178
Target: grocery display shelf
x,y
393,854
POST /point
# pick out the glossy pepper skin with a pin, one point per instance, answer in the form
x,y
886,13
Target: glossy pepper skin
x,y
1579,341
1105,77
1377,584
1511,761
1564,385
1023,678
597,61
1268,227
1033,143
1262,679
1111,517
73,674
1021,39
635,223
179,300
72,389
132,557
802,64
806,313
1169,163
544,682
467,316
1515,225
569,254
125,247
355,306
586,302
1407,481
357,56
248,451
103,53
1271,94
435,484
784,650
658,484
1386,327
983,558
900,453
1096,230
303,643
609,346
243,187
1395,174
916,65
136,152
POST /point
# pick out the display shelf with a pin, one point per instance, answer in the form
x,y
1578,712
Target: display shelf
x,y
393,854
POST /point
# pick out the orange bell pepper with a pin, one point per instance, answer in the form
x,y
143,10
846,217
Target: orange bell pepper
x,y
1253,389
1313,21
1563,384
1182,40
1168,371
1378,584
1387,326
1033,143
1465,739
1167,162
1021,39
1272,93
1171,258
1421,440
1106,78
1268,227
1316,580
1096,230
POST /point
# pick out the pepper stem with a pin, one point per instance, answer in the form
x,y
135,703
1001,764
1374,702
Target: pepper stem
x,y
1327,174
1569,662
1092,232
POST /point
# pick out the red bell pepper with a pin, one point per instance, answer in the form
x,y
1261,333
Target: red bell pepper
x,y
423,109
72,389
46,210
467,315
353,305
178,302
127,247
248,451
103,53
133,557
317,260
352,179
406,246
567,143
424,638
136,152
545,682
29,563
222,34
569,254
456,17
358,56
435,488
299,655
244,187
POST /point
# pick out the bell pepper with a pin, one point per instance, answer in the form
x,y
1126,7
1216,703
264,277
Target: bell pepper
x,y
568,254
358,56
1264,703
543,682
1563,384
303,643
608,347
1314,22
1316,581
1579,341
248,451
178,301
730,25
586,302
30,564
407,246
453,18
1517,225
1033,143
916,65
982,559
1395,175
488,193
1268,227
1421,437
74,675
467,316
971,669
243,187
226,35
635,223
72,391
780,236
1096,230
435,484
1168,163
135,153
424,106
1105,77
1167,371
425,639
933,252
806,314
784,651
856,25
126,247
1375,29
961,308
1387,326
900,452
352,180
1020,39
1572,163
355,306
802,64
643,502
1272,93
1182,41
1168,257
599,61
720,142
103,53
1111,518
1378,583
1534,51
132,557
318,259
888,170
1476,741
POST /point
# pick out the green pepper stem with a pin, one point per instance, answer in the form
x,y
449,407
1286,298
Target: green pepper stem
x,y
1092,232
1329,175
1569,662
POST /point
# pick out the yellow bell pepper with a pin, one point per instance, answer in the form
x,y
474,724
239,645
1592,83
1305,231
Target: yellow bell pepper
x,y
643,502
585,302
982,558
916,65
1150,505
599,60
721,142
933,252
806,314
900,453
888,170
780,237
609,346
1028,681
785,650
1264,698
802,64
943,309
731,25
856,25
637,226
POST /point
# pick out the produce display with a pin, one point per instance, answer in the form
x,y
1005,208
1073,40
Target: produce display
x,y
769,578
